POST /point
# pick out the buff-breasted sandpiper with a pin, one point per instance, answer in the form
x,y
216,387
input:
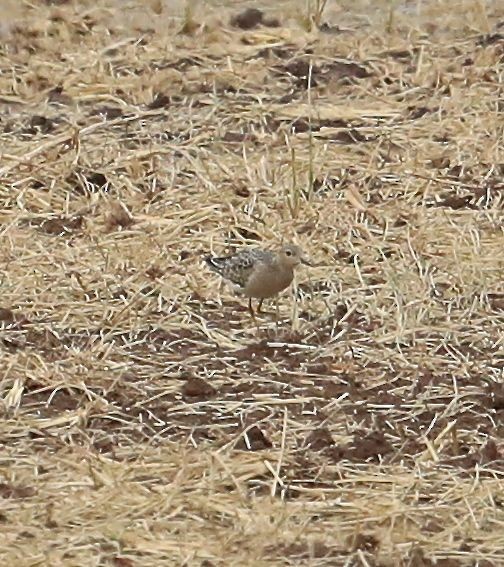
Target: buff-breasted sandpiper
x,y
258,273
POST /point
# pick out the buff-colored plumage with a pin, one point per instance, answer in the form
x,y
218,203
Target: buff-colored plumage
x,y
258,273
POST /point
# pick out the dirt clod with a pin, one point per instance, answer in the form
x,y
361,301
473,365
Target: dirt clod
x,y
248,19
196,387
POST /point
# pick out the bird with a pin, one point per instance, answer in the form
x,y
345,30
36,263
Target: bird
x,y
258,273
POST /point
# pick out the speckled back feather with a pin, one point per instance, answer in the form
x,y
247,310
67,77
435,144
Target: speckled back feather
x,y
237,268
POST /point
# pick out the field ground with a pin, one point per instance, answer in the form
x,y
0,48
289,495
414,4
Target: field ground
x,y
145,420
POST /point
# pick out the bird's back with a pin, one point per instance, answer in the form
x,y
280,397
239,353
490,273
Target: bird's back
x,y
238,267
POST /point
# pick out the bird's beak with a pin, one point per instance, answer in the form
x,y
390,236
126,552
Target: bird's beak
x,y
306,262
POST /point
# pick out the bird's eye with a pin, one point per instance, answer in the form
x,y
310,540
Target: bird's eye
x,y
288,253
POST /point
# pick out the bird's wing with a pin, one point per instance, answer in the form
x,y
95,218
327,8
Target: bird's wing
x,y
238,268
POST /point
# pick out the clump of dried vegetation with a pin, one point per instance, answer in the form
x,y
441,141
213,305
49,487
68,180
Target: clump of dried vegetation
x,y
145,420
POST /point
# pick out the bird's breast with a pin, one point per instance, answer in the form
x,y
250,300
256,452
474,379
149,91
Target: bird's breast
x,y
266,283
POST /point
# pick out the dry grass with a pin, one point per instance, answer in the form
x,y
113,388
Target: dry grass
x,y
145,420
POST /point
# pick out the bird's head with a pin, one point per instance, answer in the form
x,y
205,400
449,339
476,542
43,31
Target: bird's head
x,y
291,255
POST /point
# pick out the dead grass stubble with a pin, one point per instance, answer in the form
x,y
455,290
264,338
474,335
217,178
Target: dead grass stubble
x,y
145,421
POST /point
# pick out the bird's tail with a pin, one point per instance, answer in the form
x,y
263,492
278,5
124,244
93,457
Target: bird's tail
x,y
215,264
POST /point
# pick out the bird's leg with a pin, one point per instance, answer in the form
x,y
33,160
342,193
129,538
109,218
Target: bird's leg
x,y
260,305
252,314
